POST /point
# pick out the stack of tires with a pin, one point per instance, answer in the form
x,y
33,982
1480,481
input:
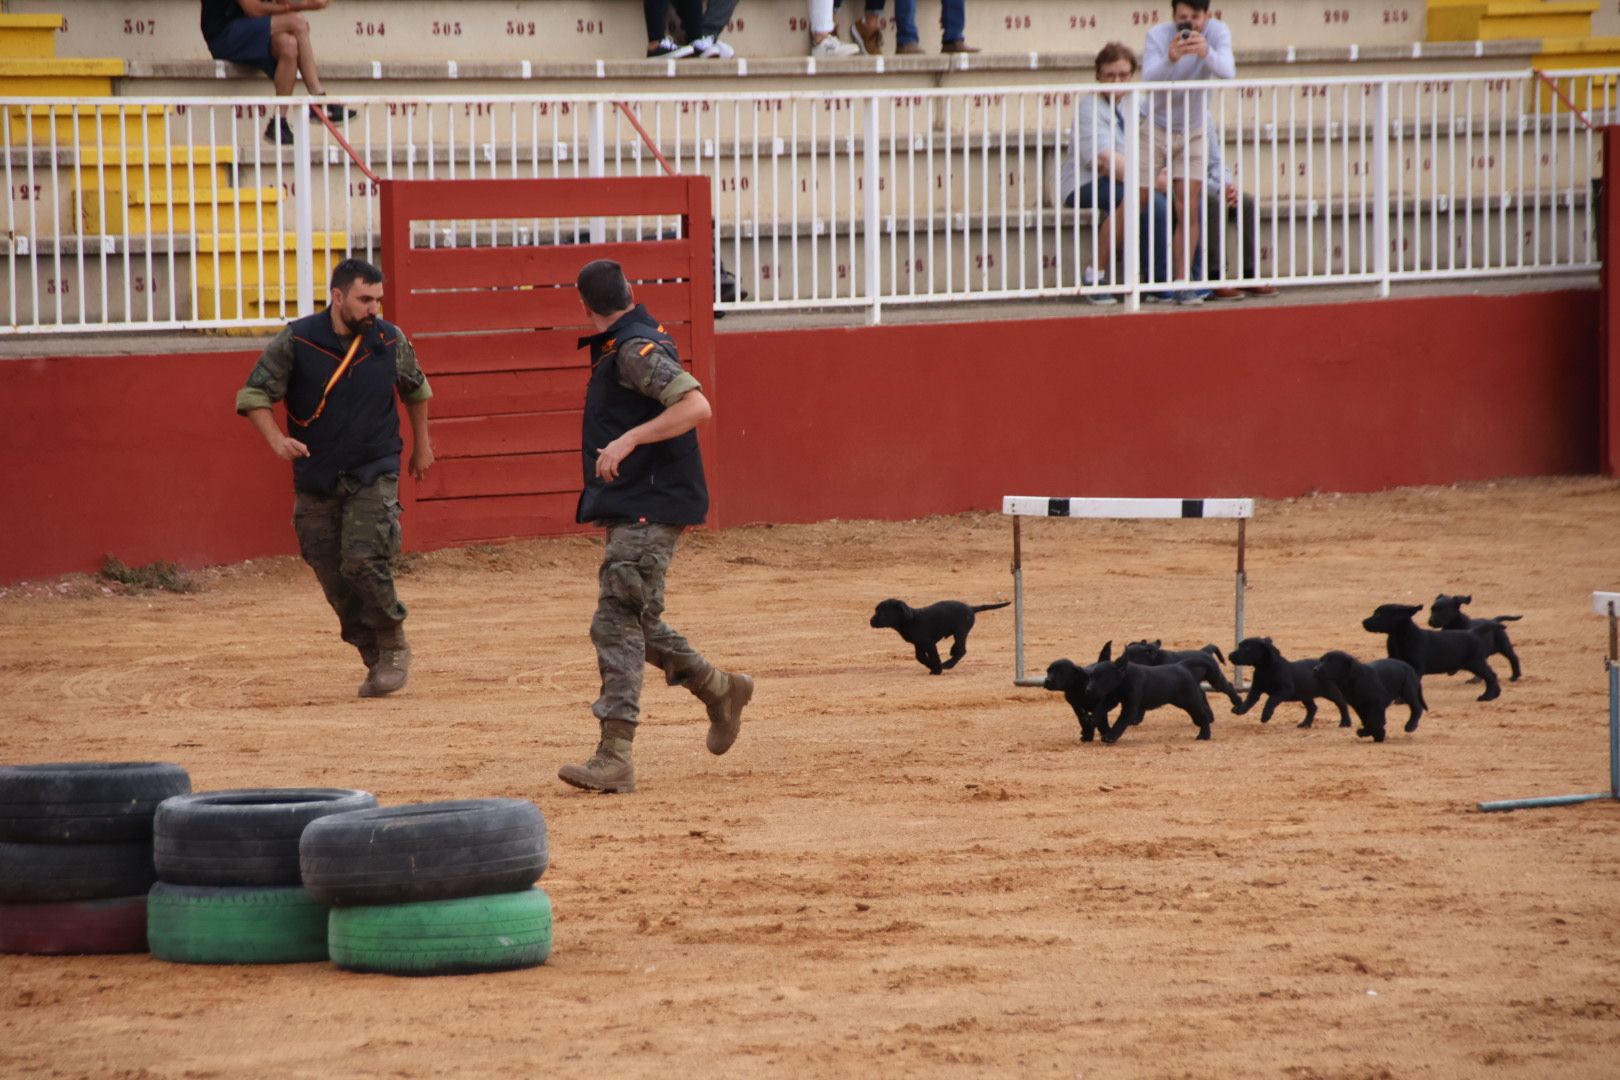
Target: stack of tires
x,y
76,854
433,888
228,889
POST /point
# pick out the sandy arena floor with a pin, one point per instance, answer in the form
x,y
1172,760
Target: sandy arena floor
x,y
894,874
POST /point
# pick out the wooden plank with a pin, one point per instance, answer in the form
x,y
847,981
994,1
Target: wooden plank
x,y
454,200
460,521
509,474
526,350
520,309
549,264
516,433
501,392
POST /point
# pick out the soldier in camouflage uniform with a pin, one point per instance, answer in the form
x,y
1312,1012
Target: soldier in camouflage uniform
x,y
338,372
643,482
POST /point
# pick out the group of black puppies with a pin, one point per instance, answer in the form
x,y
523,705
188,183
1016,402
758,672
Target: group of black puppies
x,y
1146,676
1367,689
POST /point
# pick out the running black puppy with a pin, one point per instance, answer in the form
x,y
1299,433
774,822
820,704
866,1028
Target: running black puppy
x,y
1072,681
926,627
1138,688
1206,661
1372,688
1446,613
1284,680
1433,652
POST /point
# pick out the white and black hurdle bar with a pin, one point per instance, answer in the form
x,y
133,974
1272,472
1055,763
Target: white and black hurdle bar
x,y
1603,603
1018,507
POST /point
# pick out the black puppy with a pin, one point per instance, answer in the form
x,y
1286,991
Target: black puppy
x,y
1284,680
1372,688
926,627
1433,652
1446,613
1206,662
1072,681
1138,688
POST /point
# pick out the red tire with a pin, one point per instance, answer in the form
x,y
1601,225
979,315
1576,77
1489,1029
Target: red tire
x,y
75,927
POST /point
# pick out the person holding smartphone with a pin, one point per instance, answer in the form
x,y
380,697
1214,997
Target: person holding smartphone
x,y
1190,48
273,36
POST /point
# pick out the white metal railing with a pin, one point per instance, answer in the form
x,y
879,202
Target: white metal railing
x,y
164,213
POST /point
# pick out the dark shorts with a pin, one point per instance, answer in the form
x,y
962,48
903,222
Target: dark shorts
x,y
1104,195
245,41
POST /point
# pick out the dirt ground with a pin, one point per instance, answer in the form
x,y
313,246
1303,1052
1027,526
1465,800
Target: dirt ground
x,y
894,874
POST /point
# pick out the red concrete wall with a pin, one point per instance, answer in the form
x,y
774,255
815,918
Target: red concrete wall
x,y
137,456
142,457
1246,400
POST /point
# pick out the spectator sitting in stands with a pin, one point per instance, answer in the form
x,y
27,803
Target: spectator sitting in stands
x,y
1193,46
824,33
1221,198
274,38
709,23
1094,174
867,31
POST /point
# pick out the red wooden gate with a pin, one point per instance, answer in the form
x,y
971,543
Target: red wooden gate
x,y
497,330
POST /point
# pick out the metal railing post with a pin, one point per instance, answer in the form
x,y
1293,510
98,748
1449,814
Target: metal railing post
x,y
596,159
1381,201
869,214
1133,204
304,212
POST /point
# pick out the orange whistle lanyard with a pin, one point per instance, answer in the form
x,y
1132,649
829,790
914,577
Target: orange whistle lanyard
x,y
348,358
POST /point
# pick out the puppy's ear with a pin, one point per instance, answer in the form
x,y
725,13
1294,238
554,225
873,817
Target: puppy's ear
x,y
1158,643
1107,652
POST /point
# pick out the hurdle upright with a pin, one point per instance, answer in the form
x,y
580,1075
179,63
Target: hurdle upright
x,y
1603,603
1018,507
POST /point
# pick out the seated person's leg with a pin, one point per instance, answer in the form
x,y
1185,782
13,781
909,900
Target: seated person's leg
x,y
246,41
1155,213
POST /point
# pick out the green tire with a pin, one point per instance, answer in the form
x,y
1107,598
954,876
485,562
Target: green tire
x,y
502,932
192,924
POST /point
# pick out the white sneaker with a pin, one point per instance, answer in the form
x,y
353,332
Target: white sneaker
x,y
1091,278
668,50
718,50
830,46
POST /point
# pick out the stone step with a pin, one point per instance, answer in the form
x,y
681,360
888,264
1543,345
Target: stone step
x,y
29,37
1498,20
587,30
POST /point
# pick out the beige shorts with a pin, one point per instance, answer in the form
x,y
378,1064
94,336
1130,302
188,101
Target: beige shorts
x,y
1182,152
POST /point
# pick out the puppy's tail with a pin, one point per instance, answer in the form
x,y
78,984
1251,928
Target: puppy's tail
x,y
1506,618
1215,651
991,607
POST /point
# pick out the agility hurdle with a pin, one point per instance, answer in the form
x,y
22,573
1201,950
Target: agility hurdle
x,y
1019,507
1604,603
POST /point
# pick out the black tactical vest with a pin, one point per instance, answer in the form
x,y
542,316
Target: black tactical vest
x,y
358,430
659,482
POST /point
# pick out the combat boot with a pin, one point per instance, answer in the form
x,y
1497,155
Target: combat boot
x,y
369,654
610,768
725,693
393,664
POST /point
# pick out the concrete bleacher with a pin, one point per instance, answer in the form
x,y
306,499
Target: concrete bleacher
x,y
522,46
543,31
166,164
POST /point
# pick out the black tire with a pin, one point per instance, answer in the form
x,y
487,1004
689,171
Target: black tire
x,y
504,932
247,837
75,927
44,873
428,851
189,924
87,802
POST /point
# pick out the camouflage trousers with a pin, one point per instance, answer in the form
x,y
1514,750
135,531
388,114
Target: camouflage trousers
x,y
628,629
350,540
